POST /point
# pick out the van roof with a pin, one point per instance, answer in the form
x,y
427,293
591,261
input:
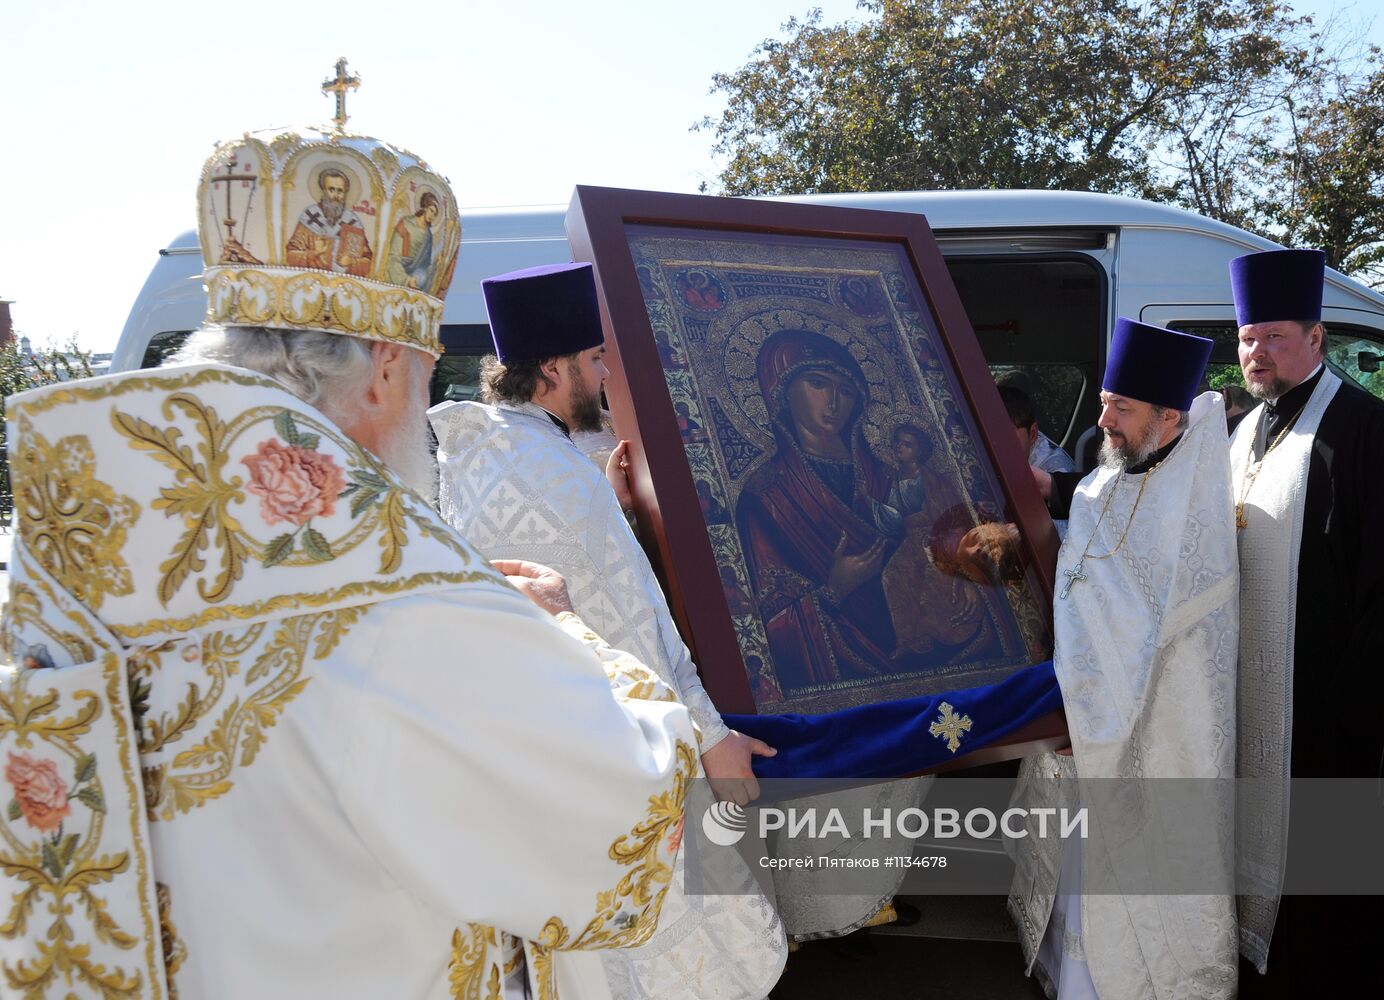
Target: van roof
x,y
946,211
990,209
981,209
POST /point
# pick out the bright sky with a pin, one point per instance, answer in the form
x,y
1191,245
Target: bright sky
x,y
109,109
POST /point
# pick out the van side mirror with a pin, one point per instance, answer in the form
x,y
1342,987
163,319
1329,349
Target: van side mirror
x,y
1367,361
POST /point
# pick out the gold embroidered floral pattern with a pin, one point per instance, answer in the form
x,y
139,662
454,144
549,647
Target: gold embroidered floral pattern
x,y
294,480
74,524
50,846
23,613
229,724
474,971
174,948
200,495
627,915
295,483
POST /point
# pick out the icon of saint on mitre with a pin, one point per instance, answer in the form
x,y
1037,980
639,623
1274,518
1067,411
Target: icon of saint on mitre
x,y
329,234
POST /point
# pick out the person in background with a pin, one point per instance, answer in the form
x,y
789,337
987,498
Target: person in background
x,y
1238,402
1041,450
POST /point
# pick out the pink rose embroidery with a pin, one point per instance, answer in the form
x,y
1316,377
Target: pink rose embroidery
x,y
675,837
294,484
40,792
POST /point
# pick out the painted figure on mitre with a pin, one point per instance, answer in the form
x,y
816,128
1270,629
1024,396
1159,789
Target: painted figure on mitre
x,y
410,261
329,235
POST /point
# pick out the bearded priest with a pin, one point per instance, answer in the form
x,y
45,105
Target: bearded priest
x,y
302,740
1145,625
1308,470
516,486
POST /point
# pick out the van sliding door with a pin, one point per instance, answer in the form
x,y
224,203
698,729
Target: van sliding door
x,y
1042,317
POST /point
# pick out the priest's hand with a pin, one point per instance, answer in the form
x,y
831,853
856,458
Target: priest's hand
x,y
728,768
617,472
849,572
540,584
1043,481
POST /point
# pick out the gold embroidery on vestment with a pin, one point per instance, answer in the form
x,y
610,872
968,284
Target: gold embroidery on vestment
x,y
644,886
174,948
474,970
73,524
234,739
62,866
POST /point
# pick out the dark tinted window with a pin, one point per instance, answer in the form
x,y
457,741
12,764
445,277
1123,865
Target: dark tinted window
x,y
1224,367
457,375
161,345
1042,316
1353,352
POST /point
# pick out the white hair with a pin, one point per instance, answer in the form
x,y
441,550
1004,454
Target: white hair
x,y
329,371
325,370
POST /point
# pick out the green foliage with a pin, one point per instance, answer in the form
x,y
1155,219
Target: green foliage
x,y
1236,109
1220,376
20,371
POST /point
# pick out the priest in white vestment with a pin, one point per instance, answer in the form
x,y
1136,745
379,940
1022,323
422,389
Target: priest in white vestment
x,y
1307,467
1146,625
302,740
516,486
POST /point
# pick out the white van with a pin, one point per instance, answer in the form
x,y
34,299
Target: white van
x,y
1042,275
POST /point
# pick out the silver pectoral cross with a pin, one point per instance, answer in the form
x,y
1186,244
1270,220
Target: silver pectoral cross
x,y
1073,575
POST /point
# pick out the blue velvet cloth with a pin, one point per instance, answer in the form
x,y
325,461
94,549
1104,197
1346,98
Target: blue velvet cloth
x,y
894,738
1278,285
1155,365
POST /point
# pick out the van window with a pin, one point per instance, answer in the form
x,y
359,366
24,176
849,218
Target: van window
x,y
1041,318
458,372
1224,367
162,345
1359,352
1354,352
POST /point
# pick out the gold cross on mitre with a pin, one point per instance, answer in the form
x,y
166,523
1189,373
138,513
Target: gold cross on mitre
x,y
341,83
950,726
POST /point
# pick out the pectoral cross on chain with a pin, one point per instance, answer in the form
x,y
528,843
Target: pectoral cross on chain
x,y
1073,575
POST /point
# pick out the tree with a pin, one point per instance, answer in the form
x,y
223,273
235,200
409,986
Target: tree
x,y
1332,174
1236,109
20,370
979,93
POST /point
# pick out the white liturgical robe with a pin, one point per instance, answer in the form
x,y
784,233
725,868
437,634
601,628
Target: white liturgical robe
x,y
516,487
368,766
1145,655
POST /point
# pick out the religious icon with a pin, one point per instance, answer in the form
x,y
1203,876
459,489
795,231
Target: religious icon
x,y
330,234
700,290
411,260
233,207
861,297
860,534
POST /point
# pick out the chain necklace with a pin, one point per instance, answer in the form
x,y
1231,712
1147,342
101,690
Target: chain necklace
x,y
1076,572
1251,472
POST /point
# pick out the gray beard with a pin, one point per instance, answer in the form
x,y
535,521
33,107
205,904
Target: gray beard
x,y
332,211
410,453
1273,390
1121,457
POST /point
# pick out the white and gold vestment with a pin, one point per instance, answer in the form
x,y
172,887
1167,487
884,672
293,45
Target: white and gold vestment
x,y
515,487
1145,654
301,739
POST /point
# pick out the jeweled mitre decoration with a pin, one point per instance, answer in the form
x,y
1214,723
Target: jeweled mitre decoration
x,y
305,229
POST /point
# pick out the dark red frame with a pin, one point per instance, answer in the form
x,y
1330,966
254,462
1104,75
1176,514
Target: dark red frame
x,y
662,484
